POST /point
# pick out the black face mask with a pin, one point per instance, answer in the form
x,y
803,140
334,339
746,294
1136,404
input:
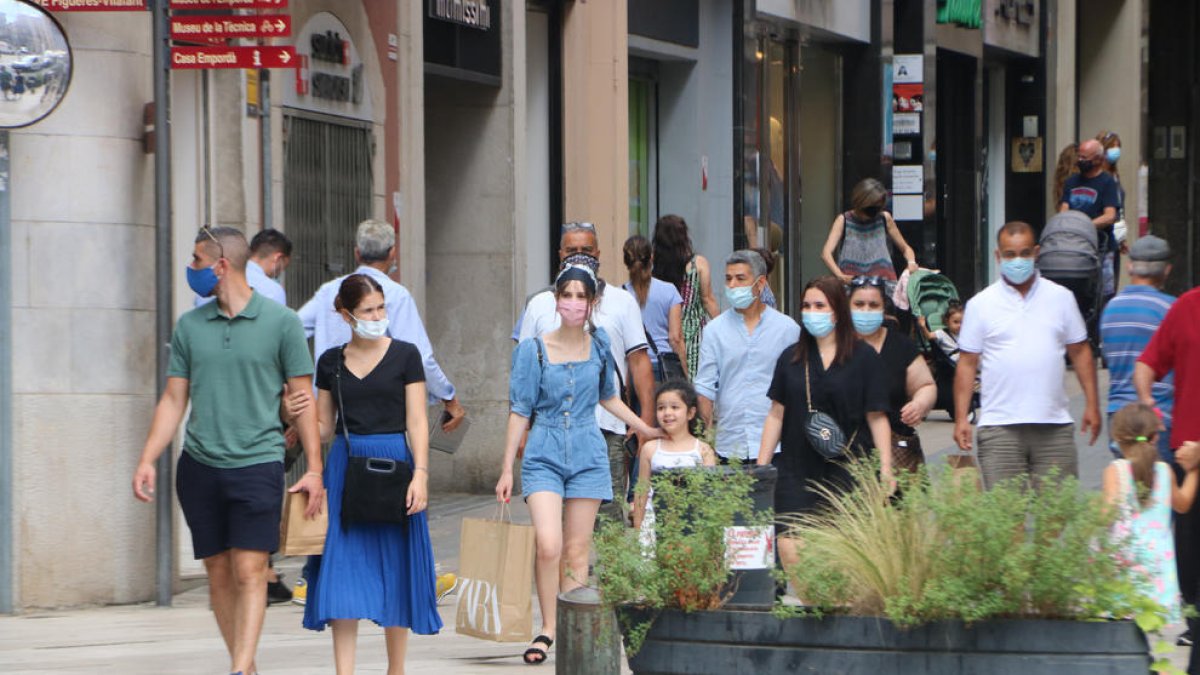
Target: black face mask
x,y
872,211
1085,165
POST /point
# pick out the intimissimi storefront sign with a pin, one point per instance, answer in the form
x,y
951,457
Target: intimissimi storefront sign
x,y
470,13
329,77
462,40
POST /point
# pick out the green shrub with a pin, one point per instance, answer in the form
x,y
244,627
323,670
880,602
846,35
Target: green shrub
x,y
688,568
947,550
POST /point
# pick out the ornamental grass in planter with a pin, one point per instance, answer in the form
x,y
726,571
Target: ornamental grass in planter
x,y
944,578
946,550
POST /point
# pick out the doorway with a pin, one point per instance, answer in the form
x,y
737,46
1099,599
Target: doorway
x,y
819,114
326,194
643,146
955,244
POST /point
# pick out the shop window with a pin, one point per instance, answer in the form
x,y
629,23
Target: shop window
x,y
770,180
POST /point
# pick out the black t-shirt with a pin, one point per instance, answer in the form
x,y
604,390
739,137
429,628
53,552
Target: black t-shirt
x,y
1092,196
898,353
374,404
847,392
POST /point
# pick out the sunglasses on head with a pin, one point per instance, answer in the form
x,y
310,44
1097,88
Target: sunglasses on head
x,y
574,226
860,281
208,231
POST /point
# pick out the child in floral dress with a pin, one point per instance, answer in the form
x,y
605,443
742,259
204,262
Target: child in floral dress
x,y
1145,492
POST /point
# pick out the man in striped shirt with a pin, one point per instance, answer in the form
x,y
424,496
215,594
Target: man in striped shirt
x,y
1129,321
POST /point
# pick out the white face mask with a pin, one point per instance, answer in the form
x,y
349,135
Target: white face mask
x,y
371,330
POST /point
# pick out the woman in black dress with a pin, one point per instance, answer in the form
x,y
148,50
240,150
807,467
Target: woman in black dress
x,y
847,382
910,386
378,571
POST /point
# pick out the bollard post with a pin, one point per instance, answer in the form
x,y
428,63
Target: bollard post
x,y
588,641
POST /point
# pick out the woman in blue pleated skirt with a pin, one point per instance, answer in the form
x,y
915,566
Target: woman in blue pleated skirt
x,y
370,394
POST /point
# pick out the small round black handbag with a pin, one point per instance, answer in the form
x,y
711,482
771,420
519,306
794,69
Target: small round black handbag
x,y
824,434
375,488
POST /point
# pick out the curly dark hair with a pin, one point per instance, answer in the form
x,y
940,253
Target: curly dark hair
x,y
672,250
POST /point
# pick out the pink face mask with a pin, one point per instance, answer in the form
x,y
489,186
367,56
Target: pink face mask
x,y
573,311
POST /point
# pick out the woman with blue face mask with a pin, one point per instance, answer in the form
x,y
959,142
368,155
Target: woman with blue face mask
x,y
911,390
830,371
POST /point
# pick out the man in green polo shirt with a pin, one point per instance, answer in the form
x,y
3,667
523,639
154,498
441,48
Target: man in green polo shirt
x,y
230,358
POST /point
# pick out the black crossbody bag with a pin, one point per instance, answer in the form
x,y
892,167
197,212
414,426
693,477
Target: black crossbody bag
x,y
376,488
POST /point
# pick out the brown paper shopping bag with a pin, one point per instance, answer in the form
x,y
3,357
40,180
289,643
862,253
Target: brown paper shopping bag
x,y
299,535
965,468
495,598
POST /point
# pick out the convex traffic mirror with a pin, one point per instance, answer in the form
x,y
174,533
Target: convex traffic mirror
x,y
35,63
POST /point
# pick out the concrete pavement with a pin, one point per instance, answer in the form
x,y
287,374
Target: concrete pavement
x,y
183,640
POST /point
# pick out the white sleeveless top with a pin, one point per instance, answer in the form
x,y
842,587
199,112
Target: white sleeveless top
x,y
663,459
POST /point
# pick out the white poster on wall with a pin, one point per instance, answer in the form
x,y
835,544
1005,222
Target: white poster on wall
x,y
908,207
906,123
908,68
908,179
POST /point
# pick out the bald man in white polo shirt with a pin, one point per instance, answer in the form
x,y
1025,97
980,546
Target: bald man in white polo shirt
x,y
1019,328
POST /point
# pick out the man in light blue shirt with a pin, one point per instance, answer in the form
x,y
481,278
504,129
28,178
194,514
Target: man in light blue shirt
x,y
270,253
375,248
738,352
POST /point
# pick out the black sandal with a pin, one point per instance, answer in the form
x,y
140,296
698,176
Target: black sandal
x,y
536,656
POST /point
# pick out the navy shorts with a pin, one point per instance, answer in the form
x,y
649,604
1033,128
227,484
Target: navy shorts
x,y
230,508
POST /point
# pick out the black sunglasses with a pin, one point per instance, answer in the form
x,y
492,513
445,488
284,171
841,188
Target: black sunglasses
x,y
860,281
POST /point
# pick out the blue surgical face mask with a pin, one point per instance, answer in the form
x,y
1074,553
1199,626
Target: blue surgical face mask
x,y
740,297
1112,155
819,324
867,322
202,281
1017,270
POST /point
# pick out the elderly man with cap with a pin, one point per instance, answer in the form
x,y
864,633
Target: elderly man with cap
x,y
1129,321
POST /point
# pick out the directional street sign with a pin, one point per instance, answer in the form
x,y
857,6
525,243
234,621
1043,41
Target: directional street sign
x,y
232,57
91,5
228,4
225,27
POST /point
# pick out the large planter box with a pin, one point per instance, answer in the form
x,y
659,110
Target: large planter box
x,y
757,643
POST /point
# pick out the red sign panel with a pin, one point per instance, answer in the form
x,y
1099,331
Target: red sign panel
x,y
227,4
91,5
205,28
233,57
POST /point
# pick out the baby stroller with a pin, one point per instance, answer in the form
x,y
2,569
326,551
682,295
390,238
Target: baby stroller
x,y
1070,256
930,294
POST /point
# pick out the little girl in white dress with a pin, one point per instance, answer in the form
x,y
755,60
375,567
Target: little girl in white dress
x,y
675,409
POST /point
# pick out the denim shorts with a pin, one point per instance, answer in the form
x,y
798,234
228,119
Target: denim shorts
x,y
570,461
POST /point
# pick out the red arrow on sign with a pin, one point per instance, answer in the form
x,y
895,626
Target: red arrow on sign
x,y
185,58
202,28
228,4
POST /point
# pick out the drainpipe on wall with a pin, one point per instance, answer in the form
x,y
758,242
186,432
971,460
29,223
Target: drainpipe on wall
x,y
7,545
164,539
